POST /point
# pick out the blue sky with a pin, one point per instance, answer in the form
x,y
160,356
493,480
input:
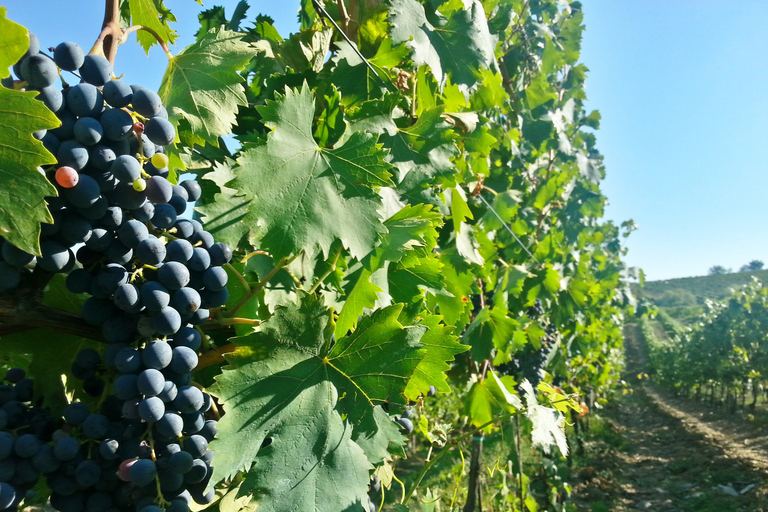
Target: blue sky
x,y
682,88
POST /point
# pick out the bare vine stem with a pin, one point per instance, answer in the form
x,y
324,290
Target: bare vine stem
x,y
112,34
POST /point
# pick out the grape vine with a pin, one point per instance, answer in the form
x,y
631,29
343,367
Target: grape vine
x,y
399,266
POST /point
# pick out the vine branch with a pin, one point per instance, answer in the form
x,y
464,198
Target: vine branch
x,y
16,317
215,356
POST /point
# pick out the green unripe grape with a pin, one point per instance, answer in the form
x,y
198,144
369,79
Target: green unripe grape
x,y
159,160
139,184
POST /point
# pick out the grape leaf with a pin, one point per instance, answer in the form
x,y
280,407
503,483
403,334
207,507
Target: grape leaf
x,y
13,44
548,423
306,196
491,328
459,47
152,14
412,230
425,148
288,385
441,347
202,84
491,397
408,282
22,186
361,292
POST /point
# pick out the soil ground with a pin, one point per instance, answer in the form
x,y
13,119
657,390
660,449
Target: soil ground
x,y
652,451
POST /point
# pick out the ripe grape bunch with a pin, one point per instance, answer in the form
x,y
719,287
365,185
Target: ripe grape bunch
x,y
151,276
529,364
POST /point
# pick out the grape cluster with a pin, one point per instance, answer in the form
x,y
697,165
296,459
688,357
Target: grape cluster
x,y
151,276
530,364
536,310
22,428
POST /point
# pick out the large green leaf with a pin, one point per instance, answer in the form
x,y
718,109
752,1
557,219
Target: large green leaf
x,y
22,186
289,385
202,84
153,15
13,44
441,348
306,196
459,47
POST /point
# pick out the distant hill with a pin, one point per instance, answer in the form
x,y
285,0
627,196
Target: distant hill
x,y
684,298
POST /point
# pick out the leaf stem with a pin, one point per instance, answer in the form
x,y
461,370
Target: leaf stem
x,y
240,277
326,273
257,289
251,254
237,321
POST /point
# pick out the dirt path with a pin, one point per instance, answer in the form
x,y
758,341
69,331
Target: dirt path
x,y
655,452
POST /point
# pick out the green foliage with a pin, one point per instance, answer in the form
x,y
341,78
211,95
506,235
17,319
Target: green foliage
x,y
305,197
395,214
725,347
684,298
20,153
203,87
288,383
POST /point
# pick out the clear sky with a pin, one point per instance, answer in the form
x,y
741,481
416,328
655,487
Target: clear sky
x,y
682,87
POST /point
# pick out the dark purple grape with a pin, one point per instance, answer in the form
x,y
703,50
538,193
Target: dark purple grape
x,y
85,100
117,93
160,131
96,70
69,56
117,125
39,71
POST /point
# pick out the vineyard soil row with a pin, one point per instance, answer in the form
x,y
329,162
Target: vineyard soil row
x,y
653,451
